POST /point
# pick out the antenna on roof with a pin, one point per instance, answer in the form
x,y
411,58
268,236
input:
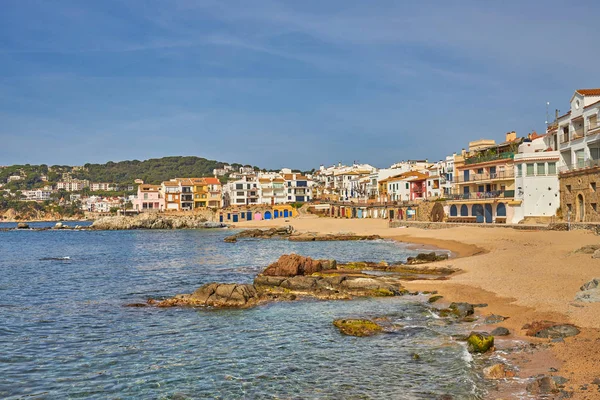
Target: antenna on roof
x,y
547,115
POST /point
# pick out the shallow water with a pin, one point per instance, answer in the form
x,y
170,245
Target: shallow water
x,y
66,334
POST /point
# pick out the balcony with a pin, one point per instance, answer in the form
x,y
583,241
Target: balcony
x,y
581,165
485,177
492,195
489,157
592,130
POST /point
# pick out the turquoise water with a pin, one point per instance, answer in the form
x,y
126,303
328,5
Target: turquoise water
x,y
65,332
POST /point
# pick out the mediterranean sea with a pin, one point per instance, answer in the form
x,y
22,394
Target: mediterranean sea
x,y
65,333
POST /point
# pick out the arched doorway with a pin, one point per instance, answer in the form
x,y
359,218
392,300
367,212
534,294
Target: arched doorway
x,y
488,214
276,214
478,212
267,214
285,213
437,213
580,208
464,211
501,210
453,211
257,216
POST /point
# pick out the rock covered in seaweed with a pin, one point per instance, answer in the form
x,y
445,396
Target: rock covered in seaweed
x,y
357,327
480,342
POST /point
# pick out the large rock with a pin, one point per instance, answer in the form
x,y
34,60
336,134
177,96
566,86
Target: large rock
x,y
500,331
357,327
550,330
423,258
158,221
279,232
480,342
292,265
22,225
462,310
217,295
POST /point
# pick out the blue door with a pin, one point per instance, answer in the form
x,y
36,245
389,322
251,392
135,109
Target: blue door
x,y
291,213
276,213
466,175
501,210
267,214
249,215
285,213
221,218
235,218
488,213
453,211
359,213
478,213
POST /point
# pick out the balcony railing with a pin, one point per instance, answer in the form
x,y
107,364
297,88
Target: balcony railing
x,y
579,166
485,176
489,157
494,194
593,130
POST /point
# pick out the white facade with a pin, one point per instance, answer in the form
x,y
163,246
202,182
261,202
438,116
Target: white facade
x,y
578,132
37,195
241,192
95,187
536,180
72,186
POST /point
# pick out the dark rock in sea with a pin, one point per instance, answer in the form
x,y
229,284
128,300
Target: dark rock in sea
x,y
462,310
22,225
494,319
423,258
230,239
550,330
357,327
542,386
500,331
480,342
433,299
136,305
59,225
217,295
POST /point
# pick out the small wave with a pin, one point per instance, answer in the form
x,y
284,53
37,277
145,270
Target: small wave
x,y
55,258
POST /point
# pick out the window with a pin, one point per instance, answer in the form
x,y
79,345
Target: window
x,y
480,170
145,196
551,168
569,207
595,153
519,169
239,186
594,206
407,185
580,157
593,186
541,169
530,169
568,188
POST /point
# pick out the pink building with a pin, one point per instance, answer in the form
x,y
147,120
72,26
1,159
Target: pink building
x,y
149,198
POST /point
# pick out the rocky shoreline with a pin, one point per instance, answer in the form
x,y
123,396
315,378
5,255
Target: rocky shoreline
x,y
292,277
155,221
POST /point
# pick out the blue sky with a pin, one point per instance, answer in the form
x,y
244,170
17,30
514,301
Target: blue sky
x,y
283,83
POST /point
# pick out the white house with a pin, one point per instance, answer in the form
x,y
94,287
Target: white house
x,y
578,131
244,191
536,179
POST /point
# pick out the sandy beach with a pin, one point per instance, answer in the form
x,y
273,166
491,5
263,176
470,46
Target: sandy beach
x,y
524,275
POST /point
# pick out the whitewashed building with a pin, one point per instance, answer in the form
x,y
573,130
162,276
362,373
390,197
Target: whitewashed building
x,y
536,179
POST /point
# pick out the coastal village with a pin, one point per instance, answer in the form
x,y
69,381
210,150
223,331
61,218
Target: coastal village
x,y
531,178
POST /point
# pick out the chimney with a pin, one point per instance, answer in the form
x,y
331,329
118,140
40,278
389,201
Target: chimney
x,y
463,152
510,136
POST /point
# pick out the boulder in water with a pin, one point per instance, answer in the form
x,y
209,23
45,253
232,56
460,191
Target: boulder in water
x,y
58,225
357,327
22,225
292,265
480,342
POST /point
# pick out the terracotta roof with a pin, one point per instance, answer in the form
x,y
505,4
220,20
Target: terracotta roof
x,y
212,181
289,177
170,183
409,174
589,92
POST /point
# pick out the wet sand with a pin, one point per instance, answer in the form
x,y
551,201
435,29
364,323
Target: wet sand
x,y
523,275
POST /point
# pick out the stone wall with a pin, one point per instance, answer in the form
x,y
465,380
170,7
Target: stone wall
x,y
579,195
